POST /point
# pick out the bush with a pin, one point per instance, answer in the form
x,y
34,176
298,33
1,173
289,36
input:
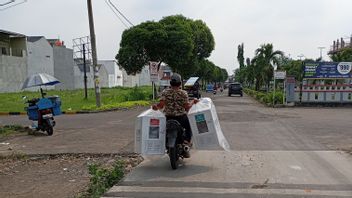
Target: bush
x,y
103,178
266,98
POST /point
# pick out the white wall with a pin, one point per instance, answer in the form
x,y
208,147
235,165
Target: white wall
x,y
13,72
40,57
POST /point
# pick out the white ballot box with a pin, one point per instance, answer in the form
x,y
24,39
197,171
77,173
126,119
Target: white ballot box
x,y
207,133
150,133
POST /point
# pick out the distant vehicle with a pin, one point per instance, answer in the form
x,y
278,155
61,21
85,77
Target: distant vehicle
x,y
210,88
235,88
192,87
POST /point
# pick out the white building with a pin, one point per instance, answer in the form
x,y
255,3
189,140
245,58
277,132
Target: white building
x,y
112,74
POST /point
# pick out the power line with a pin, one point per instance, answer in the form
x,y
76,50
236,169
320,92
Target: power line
x,y
116,14
12,1
121,13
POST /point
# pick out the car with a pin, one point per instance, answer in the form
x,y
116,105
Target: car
x,y
235,88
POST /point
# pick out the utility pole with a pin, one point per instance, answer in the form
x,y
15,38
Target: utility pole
x,y
94,53
85,71
321,52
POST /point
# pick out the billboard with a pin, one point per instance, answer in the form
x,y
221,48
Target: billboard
x,y
327,70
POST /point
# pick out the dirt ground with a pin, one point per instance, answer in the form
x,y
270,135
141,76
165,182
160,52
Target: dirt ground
x,y
64,175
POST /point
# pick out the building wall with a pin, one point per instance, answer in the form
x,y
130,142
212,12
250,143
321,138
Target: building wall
x,y
144,77
79,78
13,72
40,57
114,72
64,67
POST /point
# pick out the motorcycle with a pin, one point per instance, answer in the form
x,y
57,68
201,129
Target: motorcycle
x,y
43,111
175,146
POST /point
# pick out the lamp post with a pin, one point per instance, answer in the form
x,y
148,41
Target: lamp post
x,y
321,52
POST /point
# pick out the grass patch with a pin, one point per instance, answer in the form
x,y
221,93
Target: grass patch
x,y
73,100
103,178
127,104
7,130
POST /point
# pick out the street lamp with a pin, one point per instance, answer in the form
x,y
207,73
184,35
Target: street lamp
x,y
321,50
300,56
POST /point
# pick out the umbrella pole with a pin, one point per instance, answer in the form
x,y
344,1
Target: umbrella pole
x,y
41,91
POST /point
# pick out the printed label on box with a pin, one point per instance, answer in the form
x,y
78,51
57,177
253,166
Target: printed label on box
x,y
154,129
201,123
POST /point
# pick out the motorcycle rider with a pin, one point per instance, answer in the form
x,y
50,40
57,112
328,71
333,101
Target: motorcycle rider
x,y
175,105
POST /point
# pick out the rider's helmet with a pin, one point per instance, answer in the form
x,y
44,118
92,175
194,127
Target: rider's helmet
x,y
175,80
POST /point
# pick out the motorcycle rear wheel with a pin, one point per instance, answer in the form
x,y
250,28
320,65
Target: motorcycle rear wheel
x,y
173,155
50,131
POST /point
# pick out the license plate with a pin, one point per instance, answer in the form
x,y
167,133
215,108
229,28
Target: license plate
x,y
48,116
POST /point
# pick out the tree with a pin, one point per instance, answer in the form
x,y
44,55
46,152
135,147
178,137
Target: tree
x,y
265,59
180,42
240,55
344,55
140,44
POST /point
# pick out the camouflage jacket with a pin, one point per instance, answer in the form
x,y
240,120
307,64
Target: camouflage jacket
x,y
175,101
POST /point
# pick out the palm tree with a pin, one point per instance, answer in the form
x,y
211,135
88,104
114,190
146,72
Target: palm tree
x,y
265,59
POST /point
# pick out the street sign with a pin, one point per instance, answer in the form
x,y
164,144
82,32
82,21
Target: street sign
x,y
153,70
279,74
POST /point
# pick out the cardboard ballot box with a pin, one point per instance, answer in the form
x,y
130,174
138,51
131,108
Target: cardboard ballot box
x,y
207,133
150,133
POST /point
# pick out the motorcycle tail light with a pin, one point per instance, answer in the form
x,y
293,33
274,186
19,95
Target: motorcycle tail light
x,y
46,111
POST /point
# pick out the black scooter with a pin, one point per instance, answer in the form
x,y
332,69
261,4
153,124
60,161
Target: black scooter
x,y
175,136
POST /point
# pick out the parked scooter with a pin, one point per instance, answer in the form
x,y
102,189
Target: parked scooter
x,y
43,111
175,135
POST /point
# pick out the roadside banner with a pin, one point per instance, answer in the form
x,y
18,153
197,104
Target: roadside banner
x,y
153,70
328,70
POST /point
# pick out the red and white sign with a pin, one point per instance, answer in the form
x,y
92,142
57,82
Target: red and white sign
x,y
153,69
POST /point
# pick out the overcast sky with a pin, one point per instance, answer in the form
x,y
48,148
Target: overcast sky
x,y
293,26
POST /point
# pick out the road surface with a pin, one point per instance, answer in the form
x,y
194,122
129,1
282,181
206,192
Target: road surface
x,y
276,153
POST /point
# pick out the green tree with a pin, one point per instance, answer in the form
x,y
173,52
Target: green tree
x,y
265,59
344,55
180,42
240,55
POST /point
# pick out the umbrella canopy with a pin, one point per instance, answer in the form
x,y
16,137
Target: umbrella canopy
x,y
39,80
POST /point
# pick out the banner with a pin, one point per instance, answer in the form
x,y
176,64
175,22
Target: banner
x,y
327,70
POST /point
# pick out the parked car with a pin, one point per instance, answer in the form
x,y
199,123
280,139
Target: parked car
x,y
235,88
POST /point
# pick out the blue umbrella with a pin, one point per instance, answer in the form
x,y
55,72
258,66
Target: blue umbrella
x,y
40,79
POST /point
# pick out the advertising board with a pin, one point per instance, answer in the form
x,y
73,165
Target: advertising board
x,y
327,70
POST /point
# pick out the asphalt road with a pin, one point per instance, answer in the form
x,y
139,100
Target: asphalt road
x,y
276,153
111,132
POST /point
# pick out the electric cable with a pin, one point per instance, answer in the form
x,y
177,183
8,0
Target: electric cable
x,y
121,13
116,14
24,1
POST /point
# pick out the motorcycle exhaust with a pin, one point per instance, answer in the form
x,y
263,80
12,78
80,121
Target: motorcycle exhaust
x,y
186,148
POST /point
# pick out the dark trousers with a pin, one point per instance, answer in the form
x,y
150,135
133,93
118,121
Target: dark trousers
x,y
183,120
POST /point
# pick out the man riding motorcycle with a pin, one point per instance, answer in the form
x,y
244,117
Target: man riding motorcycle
x,y
175,105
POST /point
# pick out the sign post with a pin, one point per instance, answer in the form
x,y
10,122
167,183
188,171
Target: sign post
x,y
154,75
